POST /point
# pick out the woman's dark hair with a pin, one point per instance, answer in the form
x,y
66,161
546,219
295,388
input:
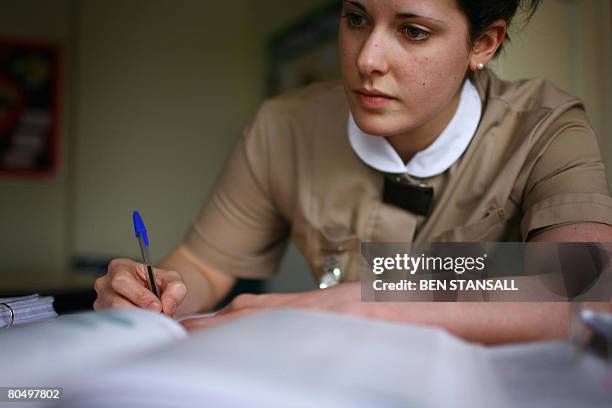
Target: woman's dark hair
x,y
481,13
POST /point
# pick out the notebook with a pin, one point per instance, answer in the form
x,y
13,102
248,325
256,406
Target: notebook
x,y
281,358
297,358
15,311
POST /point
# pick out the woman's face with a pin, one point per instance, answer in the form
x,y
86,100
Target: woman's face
x,y
403,63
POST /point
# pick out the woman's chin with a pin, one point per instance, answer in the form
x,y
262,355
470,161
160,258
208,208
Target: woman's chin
x,y
378,124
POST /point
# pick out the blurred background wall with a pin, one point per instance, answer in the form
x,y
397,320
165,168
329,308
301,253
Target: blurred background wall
x,y
155,92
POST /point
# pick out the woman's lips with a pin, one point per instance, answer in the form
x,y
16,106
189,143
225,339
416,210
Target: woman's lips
x,y
373,100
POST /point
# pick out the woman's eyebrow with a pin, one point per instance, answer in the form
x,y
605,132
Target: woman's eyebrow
x,y
413,15
397,16
356,4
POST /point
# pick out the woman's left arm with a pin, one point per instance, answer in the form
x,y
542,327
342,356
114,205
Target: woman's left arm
x,y
580,232
488,323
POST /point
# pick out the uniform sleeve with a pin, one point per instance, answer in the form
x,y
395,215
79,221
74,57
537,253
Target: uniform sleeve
x,y
567,183
239,230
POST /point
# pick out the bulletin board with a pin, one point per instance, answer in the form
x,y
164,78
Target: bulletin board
x,y
29,108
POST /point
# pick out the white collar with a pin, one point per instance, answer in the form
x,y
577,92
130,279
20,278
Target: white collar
x,y
378,153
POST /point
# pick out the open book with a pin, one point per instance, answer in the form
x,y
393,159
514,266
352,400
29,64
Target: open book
x,y
136,358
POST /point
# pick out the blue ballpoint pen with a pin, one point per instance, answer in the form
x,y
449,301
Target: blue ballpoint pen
x,y
143,240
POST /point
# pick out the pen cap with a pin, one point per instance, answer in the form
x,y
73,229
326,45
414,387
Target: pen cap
x,y
139,228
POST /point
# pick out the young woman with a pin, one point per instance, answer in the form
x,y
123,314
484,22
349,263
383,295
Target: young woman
x,y
487,160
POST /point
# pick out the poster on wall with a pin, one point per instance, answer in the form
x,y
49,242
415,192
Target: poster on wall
x,y
305,52
29,109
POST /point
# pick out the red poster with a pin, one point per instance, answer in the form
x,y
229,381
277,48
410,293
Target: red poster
x,y
29,109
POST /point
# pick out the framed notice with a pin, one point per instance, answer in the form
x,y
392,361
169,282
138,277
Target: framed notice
x,y
29,108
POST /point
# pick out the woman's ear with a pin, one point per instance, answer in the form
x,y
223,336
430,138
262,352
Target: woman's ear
x,y
485,46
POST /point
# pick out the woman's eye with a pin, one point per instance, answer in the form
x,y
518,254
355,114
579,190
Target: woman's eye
x,y
355,19
415,33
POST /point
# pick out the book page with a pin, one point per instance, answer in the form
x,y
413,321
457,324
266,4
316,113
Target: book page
x,y
59,351
301,358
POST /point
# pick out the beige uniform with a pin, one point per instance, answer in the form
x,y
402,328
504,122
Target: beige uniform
x,y
533,163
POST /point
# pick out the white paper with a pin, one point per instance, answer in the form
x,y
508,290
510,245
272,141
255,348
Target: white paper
x,y
300,358
60,351
196,316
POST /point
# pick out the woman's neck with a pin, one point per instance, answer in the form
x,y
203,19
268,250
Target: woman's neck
x,y
409,144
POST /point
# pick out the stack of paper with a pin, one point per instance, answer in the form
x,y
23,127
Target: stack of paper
x,y
25,309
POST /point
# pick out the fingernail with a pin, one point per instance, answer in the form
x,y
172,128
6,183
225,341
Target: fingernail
x,y
154,306
172,307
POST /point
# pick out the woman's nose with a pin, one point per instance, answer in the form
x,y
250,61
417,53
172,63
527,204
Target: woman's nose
x,y
372,59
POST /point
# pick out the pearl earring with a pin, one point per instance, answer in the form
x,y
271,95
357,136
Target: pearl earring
x,y
480,66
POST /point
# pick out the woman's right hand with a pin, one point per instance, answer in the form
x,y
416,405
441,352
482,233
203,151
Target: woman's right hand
x,y
126,285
